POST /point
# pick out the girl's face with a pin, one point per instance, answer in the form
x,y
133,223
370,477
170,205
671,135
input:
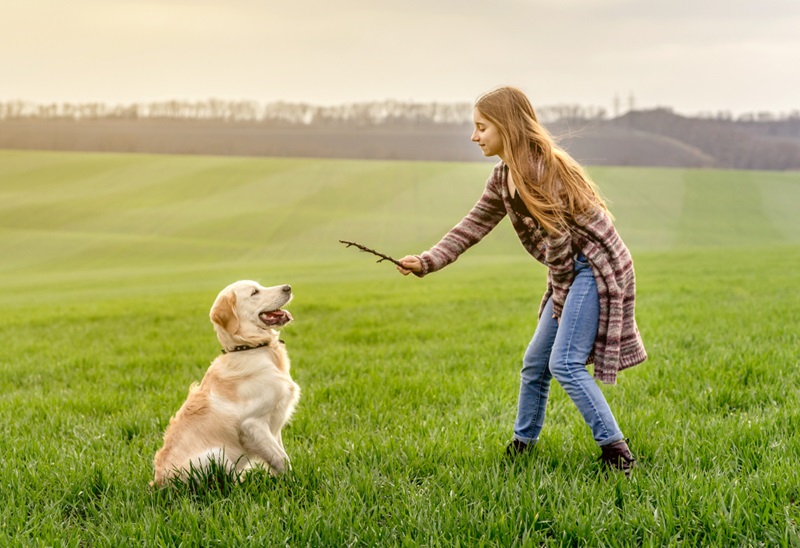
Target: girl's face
x,y
487,135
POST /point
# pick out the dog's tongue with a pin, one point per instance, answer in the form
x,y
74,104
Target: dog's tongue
x,y
276,317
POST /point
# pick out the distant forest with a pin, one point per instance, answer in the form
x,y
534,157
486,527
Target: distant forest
x,y
398,130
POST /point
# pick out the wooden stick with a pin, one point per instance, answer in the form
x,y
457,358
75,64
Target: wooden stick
x,y
368,250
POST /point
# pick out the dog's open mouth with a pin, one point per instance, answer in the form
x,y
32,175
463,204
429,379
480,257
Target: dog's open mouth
x,y
275,317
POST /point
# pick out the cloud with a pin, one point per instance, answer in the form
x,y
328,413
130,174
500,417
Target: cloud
x,y
320,51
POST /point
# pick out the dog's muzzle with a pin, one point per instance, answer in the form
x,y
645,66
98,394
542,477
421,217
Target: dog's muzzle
x,y
275,318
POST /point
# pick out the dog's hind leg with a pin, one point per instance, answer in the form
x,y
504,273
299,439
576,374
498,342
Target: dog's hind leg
x,y
257,440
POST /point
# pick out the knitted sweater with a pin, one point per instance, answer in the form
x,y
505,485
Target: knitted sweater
x,y
618,344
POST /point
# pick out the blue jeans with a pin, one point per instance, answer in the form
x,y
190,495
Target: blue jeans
x,y
560,351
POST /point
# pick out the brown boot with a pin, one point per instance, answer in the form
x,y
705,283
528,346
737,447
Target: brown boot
x,y
618,455
516,448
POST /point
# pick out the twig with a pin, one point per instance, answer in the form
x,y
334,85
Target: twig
x,y
368,250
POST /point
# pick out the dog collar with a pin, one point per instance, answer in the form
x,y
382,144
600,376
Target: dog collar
x,y
244,347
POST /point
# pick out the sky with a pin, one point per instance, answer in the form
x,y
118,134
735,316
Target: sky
x,y
695,56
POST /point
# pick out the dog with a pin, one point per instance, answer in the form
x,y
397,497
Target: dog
x,y
235,415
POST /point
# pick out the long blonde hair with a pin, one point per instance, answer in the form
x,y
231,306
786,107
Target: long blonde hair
x,y
553,186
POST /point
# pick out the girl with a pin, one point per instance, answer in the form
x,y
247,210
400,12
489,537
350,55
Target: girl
x,y
587,312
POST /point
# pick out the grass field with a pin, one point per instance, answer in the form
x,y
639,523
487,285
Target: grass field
x,y
109,263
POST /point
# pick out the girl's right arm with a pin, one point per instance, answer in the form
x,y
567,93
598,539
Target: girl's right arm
x,y
483,217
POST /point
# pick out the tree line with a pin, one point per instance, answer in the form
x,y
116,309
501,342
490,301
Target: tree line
x,y
397,130
389,112
374,113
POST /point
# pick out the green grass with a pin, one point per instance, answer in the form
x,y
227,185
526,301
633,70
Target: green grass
x,y
109,263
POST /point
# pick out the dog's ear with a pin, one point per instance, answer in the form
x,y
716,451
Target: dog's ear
x,y
223,313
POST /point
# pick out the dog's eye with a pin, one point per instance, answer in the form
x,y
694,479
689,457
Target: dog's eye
x,y
255,292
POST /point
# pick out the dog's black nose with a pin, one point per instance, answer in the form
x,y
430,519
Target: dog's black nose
x,y
287,288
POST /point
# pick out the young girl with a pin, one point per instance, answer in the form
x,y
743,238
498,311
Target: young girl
x,y
587,313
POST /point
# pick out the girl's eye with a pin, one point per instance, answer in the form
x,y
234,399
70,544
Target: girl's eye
x,y
255,292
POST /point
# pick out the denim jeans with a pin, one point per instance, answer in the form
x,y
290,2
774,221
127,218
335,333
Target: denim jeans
x,y
560,351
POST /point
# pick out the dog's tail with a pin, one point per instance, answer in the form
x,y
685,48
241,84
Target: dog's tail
x,y
212,462
213,457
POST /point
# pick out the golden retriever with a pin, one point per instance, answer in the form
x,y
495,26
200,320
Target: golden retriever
x,y
235,415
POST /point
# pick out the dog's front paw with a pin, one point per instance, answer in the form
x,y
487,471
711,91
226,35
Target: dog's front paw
x,y
280,467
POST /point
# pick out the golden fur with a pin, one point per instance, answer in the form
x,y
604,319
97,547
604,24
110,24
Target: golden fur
x,y
235,415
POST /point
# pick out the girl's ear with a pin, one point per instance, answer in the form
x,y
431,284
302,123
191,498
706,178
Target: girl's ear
x,y
223,313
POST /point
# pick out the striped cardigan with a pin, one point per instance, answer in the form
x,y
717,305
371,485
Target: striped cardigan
x,y
618,344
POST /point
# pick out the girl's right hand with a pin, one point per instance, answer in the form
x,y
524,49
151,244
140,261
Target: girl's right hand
x,y
411,264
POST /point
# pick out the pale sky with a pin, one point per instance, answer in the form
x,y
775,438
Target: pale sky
x,y
693,55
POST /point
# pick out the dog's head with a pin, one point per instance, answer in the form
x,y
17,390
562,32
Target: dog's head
x,y
246,313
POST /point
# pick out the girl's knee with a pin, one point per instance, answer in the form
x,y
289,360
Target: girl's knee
x,y
530,374
564,371
533,370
